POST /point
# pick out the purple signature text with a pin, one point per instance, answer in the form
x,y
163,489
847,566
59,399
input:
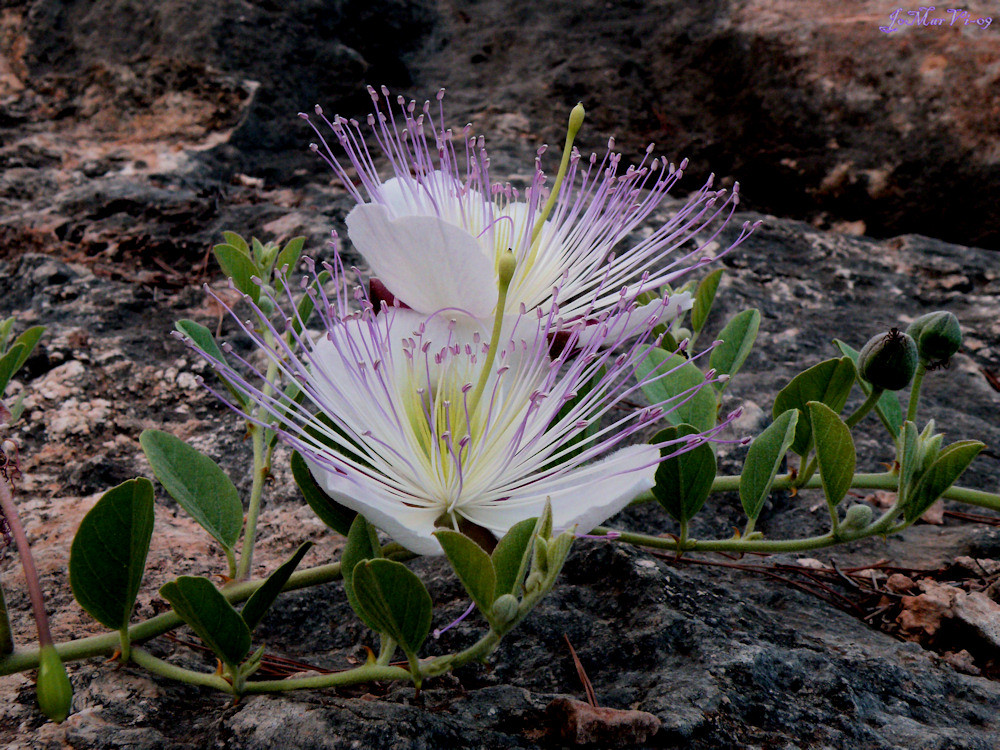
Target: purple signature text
x,y
921,17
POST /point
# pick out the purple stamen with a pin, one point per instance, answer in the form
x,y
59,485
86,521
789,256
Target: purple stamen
x,y
438,632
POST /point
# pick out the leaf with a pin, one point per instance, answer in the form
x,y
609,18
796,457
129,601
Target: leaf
x,y
829,382
684,481
393,597
673,375
333,514
289,255
237,241
262,599
909,461
257,250
887,408
197,484
238,266
763,461
29,339
472,565
512,555
6,634
108,554
941,475
738,338
357,550
210,615
703,299
6,325
8,364
205,341
834,451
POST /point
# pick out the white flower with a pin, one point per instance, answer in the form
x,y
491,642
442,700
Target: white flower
x,y
433,233
420,421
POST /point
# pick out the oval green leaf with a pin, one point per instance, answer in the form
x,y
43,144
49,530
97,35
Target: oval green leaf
x,y
210,615
512,555
8,365
829,382
675,376
683,481
28,339
834,452
703,299
763,461
108,555
473,567
737,339
262,599
197,484
941,475
396,600
205,341
357,550
238,266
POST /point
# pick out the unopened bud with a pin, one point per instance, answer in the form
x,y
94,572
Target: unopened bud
x,y
504,609
506,268
541,555
54,692
889,360
534,581
576,119
938,335
857,517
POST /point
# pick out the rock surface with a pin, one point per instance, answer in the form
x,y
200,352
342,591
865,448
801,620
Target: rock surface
x,y
122,162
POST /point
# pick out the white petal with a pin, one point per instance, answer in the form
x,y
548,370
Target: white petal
x,y
583,497
436,194
428,263
625,325
410,526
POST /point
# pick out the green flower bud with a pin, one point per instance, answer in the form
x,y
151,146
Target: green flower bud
x,y
889,360
534,581
938,335
541,555
857,517
55,694
504,609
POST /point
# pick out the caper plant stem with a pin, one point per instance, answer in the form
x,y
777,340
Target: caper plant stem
x,y
365,673
918,379
866,407
165,669
27,562
261,467
106,643
386,651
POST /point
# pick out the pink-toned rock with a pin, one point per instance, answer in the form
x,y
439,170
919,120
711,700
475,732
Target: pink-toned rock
x,y
580,723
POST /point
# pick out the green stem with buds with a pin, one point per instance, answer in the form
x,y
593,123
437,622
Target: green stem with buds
x,y
866,407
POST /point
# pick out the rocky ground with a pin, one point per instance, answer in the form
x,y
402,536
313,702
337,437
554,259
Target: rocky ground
x,y
131,137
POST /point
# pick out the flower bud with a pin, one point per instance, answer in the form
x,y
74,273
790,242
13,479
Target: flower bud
x,y
938,335
534,581
541,555
55,694
857,517
504,609
889,360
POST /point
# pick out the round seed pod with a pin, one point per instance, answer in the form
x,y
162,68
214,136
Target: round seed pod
x,y
938,335
889,360
505,608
